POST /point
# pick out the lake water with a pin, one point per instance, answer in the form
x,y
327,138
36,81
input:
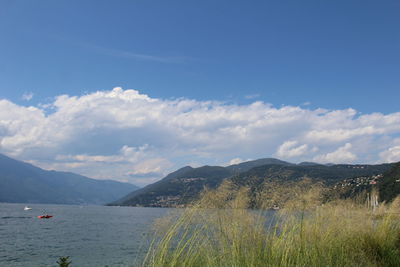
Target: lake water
x,y
90,235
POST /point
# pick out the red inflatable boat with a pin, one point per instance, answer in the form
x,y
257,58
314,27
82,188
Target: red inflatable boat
x,y
45,216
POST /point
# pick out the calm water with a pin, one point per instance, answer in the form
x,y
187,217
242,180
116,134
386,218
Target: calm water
x,y
90,235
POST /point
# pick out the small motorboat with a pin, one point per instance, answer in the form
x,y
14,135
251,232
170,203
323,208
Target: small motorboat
x,y
27,208
46,216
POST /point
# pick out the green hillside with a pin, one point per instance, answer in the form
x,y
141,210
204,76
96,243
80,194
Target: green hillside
x,y
389,184
183,186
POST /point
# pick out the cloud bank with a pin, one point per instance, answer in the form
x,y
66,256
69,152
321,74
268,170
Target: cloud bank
x,y
129,136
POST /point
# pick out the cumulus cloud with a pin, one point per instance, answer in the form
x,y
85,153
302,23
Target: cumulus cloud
x,y
391,154
154,167
290,149
235,161
126,154
341,155
130,136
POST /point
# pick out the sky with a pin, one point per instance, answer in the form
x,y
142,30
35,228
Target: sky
x,y
132,90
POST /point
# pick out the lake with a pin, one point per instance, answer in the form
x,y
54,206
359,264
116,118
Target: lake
x,y
90,235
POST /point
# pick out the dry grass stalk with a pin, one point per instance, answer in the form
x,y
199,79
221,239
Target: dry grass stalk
x,y
221,230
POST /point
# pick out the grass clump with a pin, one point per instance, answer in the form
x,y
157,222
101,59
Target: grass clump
x,y
221,230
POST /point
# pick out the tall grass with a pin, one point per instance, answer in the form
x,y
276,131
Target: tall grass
x,y
221,230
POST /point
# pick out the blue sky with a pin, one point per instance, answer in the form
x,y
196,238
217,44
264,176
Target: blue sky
x,y
331,62
333,55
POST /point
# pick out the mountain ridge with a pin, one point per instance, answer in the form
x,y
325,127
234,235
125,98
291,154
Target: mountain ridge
x,y
22,182
184,185
247,165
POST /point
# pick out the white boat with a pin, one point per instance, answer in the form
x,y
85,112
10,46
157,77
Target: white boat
x,y
27,208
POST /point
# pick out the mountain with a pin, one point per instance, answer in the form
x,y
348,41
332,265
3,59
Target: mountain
x,y
389,184
22,182
179,187
386,183
307,163
245,166
327,174
184,185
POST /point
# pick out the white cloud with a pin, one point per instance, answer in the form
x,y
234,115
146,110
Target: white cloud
x,y
27,96
152,166
133,55
126,154
114,134
341,155
252,96
289,149
392,154
235,161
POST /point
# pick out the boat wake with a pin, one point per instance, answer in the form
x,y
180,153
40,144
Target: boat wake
x,y
16,217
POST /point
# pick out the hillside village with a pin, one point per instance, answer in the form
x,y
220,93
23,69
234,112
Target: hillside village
x,y
358,181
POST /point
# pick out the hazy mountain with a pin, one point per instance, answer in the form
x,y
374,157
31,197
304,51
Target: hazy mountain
x,y
184,185
24,183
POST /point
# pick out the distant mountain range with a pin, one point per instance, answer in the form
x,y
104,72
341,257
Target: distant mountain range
x,y
184,185
22,182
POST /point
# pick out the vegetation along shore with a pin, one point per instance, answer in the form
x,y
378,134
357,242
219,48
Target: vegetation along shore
x,y
233,225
